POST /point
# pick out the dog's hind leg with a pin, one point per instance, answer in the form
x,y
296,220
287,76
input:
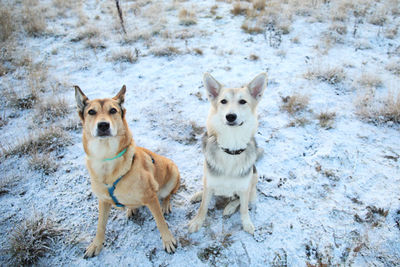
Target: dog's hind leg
x,y
196,197
166,205
231,207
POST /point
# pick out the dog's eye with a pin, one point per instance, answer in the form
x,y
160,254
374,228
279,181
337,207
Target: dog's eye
x,y
242,101
92,112
223,101
113,111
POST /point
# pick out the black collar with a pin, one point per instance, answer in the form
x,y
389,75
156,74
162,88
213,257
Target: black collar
x,y
233,152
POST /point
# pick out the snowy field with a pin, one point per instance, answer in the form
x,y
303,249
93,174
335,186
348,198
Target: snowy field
x,y
328,191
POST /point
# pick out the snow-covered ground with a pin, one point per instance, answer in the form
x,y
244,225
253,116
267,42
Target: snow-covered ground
x,y
326,195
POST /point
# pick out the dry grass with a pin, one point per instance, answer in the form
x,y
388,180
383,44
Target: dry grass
x,y
299,122
51,109
187,17
331,75
253,26
43,162
394,67
7,25
32,239
33,21
295,103
259,4
20,100
377,110
125,55
370,80
167,51
41,141
240,8
326,119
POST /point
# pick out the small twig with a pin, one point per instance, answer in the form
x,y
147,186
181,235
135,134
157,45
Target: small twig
x,y
120,15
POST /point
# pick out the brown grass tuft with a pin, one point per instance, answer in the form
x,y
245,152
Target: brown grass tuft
x,y
32,239
370,80
187,17
167,51
378,110
240,8
125,55
32,20
331,75
43,163
253,26
295,103
326,119
7,24
42,141
51,109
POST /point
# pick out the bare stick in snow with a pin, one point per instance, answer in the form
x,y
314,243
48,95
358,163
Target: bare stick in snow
x,y
120,15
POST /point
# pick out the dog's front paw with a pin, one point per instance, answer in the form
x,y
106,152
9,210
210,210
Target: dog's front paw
x,y
93,250
248,227
195,225
169,243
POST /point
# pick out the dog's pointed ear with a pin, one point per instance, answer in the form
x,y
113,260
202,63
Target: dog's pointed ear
x,y
120,97
81,100
257,86
213,87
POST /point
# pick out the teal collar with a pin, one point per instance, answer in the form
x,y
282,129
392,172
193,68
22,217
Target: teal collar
x,y
117,156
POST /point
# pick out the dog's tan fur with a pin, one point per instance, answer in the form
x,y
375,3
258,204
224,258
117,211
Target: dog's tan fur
x,y
143,181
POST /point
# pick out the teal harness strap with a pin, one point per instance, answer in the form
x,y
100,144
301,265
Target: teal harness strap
x,y
111,188
117,156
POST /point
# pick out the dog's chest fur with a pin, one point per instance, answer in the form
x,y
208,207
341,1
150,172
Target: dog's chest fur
x,y
225,172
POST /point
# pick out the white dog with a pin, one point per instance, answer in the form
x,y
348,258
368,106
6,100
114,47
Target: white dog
x,y
230,149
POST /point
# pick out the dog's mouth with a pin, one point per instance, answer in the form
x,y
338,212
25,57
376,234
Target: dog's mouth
x,y
235,124
102,134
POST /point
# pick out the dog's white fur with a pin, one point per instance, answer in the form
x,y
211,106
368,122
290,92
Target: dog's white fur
x,y
225,174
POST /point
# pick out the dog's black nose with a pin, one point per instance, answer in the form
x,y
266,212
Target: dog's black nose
x,y
231,117
103,126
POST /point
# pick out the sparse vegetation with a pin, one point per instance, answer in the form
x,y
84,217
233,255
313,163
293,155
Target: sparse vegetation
x,y
42,141
6,23
168,51
253,26
378,110
187,17
32,239
331,75
125,55
34,24
326,119
370,80
42,162
295,103
51,109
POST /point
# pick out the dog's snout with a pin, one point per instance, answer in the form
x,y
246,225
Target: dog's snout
x,y
231,117
103,126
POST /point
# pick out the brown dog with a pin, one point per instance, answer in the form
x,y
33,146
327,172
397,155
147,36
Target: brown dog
x,y
122,174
